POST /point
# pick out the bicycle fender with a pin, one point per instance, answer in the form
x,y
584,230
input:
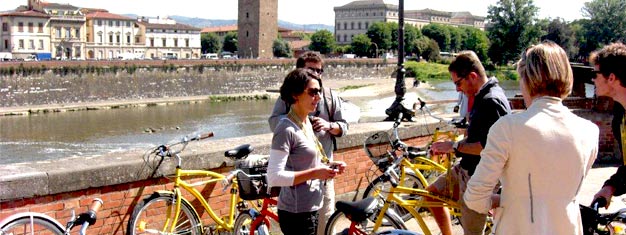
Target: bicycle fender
x,y
31,214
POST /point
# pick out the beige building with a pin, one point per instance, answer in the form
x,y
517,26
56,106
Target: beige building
x,y
24,33
112,36
67,28
167,39
355,18
257,28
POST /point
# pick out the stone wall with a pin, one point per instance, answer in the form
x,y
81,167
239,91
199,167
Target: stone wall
x,y
87,83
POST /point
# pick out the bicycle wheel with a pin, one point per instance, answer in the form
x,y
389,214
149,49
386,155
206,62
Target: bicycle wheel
x,y
31,223
382,185
151,214
339,224
242,225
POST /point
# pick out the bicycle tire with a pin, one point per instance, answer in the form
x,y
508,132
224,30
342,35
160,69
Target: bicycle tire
x,y
150,215
338,223
242,225
31,223
382,184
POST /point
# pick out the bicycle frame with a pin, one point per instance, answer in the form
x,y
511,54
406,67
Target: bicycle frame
x,y
263,214
222,224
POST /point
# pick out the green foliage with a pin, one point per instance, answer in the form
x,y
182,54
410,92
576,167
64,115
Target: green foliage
x,y
230,42
606,23
457,37
439,33
361,45
427,48
561,33
210,43
281,48
322,41
512,29
380,33
426,71
343,49
476,40
504,73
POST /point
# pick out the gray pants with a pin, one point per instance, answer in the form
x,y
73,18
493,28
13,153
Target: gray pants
x,y
328,208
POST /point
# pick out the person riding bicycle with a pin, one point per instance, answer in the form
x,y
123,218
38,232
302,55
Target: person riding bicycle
x,y
490,104
298,163
610,81
328,123
534,152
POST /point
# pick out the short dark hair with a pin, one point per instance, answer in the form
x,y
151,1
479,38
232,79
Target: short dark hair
x,y
295,83
309,56
611,59
465,63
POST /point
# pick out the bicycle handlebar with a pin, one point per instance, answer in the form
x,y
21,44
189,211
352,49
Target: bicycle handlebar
x,y
164,150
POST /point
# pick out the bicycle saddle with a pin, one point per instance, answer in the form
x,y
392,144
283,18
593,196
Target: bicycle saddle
x,y
357,211
239,152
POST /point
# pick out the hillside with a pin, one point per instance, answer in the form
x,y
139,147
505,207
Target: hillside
x,y
203,23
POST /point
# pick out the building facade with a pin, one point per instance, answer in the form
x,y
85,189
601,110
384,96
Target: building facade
x,y
67,28
257,24
355,18
167,39
111,36
24,33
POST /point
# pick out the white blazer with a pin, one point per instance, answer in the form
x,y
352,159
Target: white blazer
x,y
541,157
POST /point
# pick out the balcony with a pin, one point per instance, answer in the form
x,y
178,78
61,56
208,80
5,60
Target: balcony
x,y
67,18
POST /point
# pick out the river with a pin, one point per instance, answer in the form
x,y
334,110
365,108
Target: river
x,y
87,133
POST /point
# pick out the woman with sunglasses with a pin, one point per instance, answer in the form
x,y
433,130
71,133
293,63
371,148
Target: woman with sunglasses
x,y
298,163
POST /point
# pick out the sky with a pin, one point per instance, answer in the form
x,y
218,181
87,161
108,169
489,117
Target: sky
x,y
297,11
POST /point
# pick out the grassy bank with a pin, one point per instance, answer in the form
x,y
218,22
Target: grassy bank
x,y
434,71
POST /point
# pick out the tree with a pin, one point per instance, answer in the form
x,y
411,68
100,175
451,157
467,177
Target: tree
x,y
512,29
361,45
456,38
427,48
411,33
281,48
210,43
607,21
380,33
475,40
439,33
584,42
561,33
322,41
230,42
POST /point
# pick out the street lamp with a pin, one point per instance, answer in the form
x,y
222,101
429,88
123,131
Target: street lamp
x,y
397,107
375,52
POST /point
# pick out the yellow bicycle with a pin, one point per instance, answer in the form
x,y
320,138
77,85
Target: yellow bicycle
x,y
169,212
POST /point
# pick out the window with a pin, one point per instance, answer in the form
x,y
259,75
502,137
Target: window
x,y
21,44
345,37
128,39
247,15
99,23
68,32
338,26
6,44
345,25
31,27
186,42
351,25
137,40
359,25
31,44
152,42
40,27
117,38
77,50
338,38
77,35
163,30
247,33
367,25
110,38
175,42
40,44
117,23
20,27
58,32
5,27
127,23
110,23
163,41
99,40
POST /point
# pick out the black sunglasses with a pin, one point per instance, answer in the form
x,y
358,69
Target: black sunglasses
x,y
316,70
457,83
314,91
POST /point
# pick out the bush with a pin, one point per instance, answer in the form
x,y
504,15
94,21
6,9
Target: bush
x,y
426,71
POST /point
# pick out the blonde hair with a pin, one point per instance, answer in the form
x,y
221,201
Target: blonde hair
x,y
545,70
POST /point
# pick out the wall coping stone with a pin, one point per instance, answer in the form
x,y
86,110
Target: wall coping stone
x,y
26,180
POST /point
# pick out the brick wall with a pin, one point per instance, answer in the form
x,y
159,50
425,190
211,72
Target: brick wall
x,y
120,199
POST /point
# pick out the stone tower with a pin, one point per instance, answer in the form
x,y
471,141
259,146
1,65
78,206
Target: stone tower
x,y
257,28
35,5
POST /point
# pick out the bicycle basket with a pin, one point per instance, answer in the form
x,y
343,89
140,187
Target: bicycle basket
x,y
378,147
256,187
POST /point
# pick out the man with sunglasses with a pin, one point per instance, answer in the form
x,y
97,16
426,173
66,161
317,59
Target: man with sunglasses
x,y
327,122
610,81
490,103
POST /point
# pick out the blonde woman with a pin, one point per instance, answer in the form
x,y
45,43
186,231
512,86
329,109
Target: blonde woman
x,y
541,155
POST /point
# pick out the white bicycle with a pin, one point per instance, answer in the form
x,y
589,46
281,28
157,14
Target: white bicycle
x,y
38,223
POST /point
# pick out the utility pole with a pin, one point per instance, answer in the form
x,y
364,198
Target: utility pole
x,y
400,88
